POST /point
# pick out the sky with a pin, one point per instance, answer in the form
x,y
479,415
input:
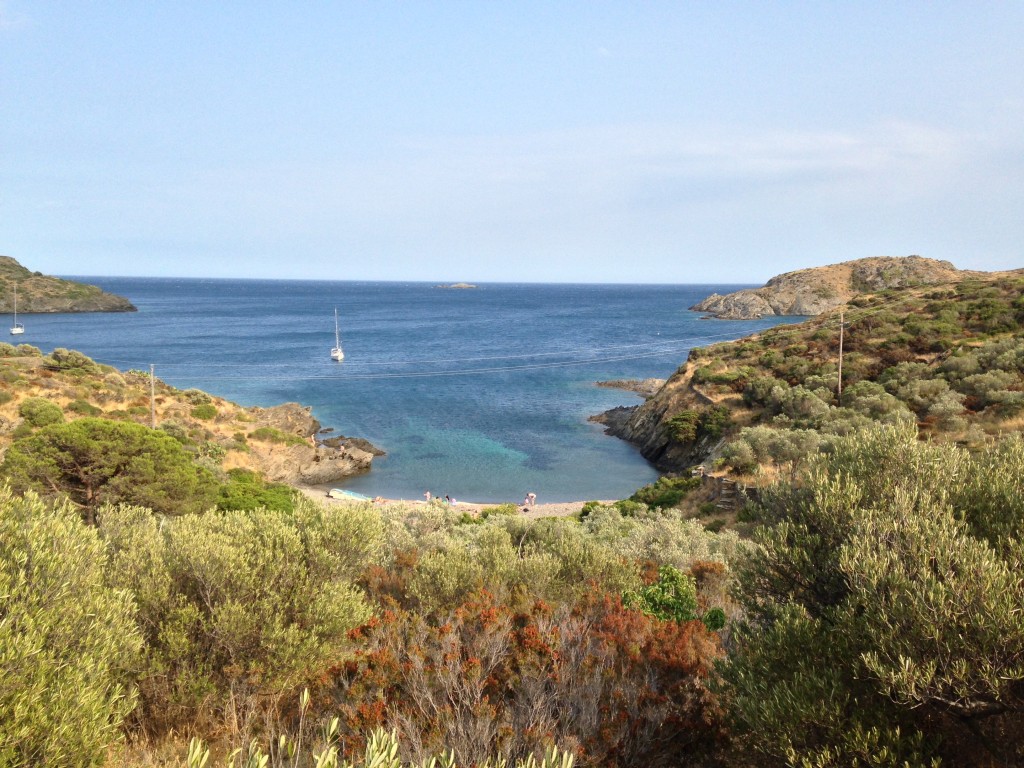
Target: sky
x,y
650,142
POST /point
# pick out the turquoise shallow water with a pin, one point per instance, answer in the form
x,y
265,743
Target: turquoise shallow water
x,y
481,394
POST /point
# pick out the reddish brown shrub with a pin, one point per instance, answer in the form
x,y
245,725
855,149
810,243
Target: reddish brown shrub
x,y
614,685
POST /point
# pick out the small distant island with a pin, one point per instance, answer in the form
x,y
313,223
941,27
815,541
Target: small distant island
x,y
39,293
456,286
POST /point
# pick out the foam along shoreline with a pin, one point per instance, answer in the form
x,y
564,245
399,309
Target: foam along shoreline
x,y
555,509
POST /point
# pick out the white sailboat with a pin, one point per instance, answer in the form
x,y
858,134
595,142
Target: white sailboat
x,y
17,328
336,351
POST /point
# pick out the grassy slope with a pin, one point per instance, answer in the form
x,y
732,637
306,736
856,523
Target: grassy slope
x,y
938,334
224,440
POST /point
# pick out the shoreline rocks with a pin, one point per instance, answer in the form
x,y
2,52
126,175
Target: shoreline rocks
x,y
644,387
310,462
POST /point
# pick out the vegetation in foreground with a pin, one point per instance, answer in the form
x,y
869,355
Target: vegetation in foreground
x,y
873,621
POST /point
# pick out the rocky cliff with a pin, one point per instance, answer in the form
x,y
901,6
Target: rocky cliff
x,y
41,293
308,462
645,425
819,289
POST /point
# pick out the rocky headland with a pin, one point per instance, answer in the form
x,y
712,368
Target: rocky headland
x,y
279,442
39,293
818,289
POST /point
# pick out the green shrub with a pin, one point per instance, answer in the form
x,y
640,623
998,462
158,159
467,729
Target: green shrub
x,y
5,397
665,491
39,412
689,426
673,597
629,507
500,509
246,490
204,412
83,407
273,435
683,426
70,360
238,606
882,607
196,397
67,641
177,430
714,421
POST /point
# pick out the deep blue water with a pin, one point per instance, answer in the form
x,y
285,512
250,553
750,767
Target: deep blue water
x,y
481,394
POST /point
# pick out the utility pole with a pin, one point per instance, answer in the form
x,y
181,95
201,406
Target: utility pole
x,y
152,397
839,394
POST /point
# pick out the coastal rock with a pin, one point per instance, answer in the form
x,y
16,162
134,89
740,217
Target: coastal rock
x,y
615,420
457,286
354,442
643,387
310,462
306,465
644,426
290,418
39,293
819,289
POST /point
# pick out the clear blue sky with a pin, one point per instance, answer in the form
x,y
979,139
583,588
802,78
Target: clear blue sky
x,y
518,141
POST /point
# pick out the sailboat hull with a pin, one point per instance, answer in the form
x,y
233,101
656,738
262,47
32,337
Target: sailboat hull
x,y
336,352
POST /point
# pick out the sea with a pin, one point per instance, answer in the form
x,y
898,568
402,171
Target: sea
x,y
481,394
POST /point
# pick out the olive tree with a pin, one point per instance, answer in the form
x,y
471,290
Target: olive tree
x,y
883,606
67,640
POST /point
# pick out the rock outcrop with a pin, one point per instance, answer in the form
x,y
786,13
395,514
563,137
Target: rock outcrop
x,y
819,289
309,462
645,425
643,387
38,293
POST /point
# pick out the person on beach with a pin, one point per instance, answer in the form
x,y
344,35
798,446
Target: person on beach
x,y
531,499
426,495
447,499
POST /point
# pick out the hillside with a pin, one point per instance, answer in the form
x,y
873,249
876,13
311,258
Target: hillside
x,y
819,289
949,358
276,442
41,293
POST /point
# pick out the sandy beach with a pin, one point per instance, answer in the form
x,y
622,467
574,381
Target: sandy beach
x,y
556,509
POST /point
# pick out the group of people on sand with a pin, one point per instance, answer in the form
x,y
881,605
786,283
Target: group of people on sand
x,y
447,499
529,500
